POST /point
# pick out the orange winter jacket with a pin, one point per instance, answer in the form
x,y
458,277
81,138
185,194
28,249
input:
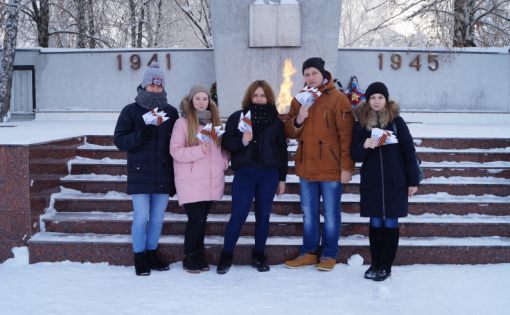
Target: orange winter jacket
x,y
324,138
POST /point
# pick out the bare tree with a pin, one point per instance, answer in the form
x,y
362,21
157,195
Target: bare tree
x,y
197,13
39,13
457,23
9,52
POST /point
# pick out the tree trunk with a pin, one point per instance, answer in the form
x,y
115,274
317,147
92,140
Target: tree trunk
x,y
140,27
132,21
148,24
463,25
92,26
158,24
9,52
81,23
41,16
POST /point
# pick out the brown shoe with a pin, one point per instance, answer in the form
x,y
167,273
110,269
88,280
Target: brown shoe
x,y
301,261
326,264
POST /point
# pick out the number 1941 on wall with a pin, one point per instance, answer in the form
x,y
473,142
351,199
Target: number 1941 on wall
x,y
396,61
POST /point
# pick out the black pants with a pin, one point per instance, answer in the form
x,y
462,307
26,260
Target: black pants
x,y
195,229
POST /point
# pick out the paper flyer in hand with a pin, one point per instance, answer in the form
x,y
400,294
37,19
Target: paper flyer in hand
x,y
308,95
245,123
210,133
384,136
154,117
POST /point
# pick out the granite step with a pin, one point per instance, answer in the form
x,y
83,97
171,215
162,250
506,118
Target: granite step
x,y
441,203
116,249
92,183
80,165
282,225
443,143
459,155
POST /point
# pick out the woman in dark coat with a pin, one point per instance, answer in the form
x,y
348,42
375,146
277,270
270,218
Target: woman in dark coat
x,y
150,167
389,175
259,159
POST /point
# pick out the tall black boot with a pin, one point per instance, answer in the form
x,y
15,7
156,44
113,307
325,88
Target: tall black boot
x,y
258,261
141,264
391,237
375,236
155,261
225,263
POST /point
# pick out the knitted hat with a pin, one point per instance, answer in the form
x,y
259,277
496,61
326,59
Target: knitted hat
x,y
196,89
317,63
377,88
153,75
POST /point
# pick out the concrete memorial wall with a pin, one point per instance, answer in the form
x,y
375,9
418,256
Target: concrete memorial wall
x,y
252,40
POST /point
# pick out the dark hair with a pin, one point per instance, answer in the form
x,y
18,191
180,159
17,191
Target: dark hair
x,y
268,91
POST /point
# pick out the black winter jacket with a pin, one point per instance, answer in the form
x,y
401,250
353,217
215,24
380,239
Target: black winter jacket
x,y
150,166
386,173
270,150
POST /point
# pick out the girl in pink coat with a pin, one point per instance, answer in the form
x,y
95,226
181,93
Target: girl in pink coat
x,y
199,171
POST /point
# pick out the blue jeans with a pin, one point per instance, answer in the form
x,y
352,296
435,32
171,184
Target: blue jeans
x,y
377,222
148,214
331,192
250,182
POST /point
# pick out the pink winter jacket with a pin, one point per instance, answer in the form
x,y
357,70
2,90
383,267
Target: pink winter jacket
x,y
198,176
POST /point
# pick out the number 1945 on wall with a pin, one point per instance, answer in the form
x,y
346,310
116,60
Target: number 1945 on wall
x,y
396,62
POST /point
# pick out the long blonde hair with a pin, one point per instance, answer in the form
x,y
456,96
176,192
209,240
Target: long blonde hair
x,y
189,112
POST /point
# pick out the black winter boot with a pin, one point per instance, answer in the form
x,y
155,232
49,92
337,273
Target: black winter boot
x,y
155,261
258,261
375,235
391,237
202,261
141,264
225,263
190,263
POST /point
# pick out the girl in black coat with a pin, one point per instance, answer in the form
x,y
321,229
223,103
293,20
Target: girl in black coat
x,y
150,167
389,175
259,159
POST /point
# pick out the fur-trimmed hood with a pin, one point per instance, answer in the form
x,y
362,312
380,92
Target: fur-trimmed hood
x,y
368,118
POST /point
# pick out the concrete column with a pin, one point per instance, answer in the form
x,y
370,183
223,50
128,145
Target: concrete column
x,y
237,65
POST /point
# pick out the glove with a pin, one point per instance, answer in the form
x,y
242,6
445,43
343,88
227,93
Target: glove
x,y
148,131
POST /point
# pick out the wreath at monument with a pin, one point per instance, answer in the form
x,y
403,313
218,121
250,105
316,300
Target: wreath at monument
x,y
354,93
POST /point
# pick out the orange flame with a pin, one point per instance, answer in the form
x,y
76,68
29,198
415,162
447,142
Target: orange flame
x,y
285,95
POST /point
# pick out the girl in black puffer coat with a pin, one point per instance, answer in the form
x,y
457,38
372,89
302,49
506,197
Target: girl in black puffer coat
x,y
389,175
150,167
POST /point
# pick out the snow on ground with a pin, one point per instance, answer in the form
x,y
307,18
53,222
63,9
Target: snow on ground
x,y
74,288
422,125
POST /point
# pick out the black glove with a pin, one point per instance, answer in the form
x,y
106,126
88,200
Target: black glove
x,y
148,131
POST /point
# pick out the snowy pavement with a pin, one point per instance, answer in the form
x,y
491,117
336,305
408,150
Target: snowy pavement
x,y
100,289
422,125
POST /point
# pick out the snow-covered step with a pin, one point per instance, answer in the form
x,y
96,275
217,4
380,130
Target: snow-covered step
x,y
294,179
353,240
453,185
436,142
347,218
81,165
116,249
281,225
425,153
439,203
